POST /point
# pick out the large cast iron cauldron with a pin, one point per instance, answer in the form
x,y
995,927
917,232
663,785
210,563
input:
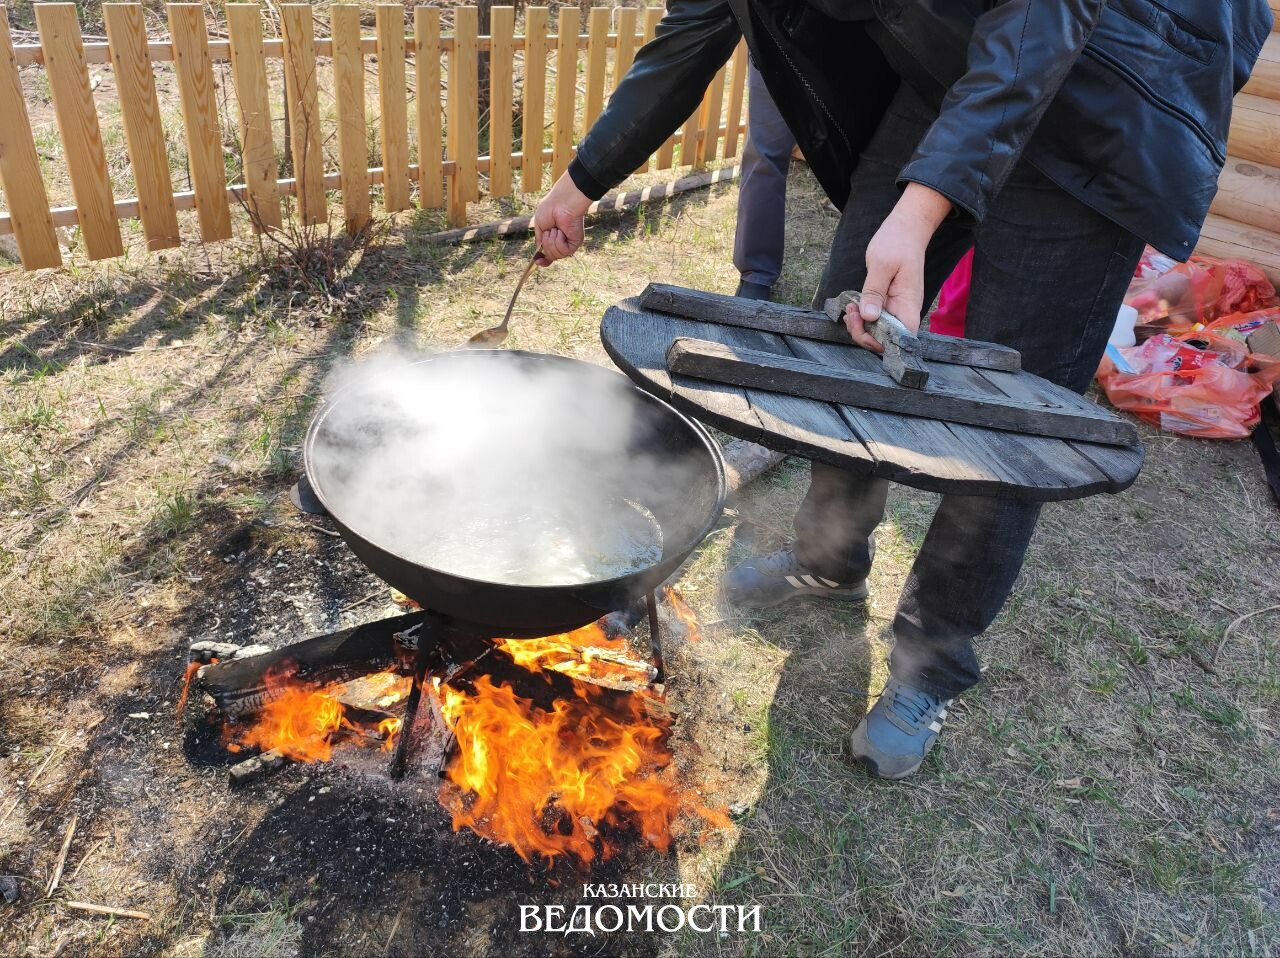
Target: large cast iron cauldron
x,y
368,459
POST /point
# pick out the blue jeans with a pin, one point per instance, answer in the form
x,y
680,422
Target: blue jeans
x,y
762,188
1049,275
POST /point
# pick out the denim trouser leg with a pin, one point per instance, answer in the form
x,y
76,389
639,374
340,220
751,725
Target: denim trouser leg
x,y
842,508
834,525
1049,275
762,190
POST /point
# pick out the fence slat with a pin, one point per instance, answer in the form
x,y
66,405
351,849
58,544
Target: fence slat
x,y
426,30
257,145
20,166
464,184
393,99
712,107
665,155
566,90
502,28
140,112
348,81
626,52
467,43
597,62
78,122
690,132
194,71
739,84
652,15
535,90
304,110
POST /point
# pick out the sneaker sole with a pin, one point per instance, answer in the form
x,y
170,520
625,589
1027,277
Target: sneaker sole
x,y
869,766
858,594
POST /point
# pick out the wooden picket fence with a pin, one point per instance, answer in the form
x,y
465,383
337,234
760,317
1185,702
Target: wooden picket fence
x,y
447,174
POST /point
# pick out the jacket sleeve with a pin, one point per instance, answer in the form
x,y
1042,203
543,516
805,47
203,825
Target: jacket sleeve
x,y
1020,54
663,87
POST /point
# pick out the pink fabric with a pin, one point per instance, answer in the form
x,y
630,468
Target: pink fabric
x,y
953,300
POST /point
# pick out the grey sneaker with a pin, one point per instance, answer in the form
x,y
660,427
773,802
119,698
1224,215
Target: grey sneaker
x,y
765,581
896,735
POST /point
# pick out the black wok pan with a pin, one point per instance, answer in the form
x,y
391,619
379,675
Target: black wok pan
x,y
678,479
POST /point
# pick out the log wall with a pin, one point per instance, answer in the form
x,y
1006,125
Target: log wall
x,y
1245,218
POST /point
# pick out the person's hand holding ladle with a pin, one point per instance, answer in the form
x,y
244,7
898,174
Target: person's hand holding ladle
x,y
559,231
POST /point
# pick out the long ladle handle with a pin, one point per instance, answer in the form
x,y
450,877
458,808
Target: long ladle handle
x,y
528,270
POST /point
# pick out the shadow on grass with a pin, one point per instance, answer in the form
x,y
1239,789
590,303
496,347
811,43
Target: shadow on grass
x,y
192,394
808,821
104,318
803,853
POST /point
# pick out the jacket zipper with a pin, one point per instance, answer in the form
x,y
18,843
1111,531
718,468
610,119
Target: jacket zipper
x,y
1156,100
805,83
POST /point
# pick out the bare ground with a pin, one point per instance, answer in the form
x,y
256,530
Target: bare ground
x,y
1110,788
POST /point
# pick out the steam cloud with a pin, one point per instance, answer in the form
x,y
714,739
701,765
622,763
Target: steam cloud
x,y
504,468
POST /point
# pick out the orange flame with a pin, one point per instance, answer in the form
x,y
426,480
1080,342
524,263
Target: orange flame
x,y
587,654
389,729
685,614
192,669
544,781
301,721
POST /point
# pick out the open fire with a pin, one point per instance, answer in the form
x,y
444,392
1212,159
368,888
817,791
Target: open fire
x,y
546,782
305,723
550,775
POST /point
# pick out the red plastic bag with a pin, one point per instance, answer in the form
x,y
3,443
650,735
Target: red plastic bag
x,y
1239,325
1172,382
1228,335
1201,290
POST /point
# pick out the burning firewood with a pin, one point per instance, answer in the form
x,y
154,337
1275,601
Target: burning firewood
x,y
600,665
555,747
374,693
238,687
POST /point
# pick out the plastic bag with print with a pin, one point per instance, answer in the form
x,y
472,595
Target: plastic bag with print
x,y
1201,384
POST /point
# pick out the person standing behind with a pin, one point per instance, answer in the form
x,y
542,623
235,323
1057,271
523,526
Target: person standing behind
x,y
762,193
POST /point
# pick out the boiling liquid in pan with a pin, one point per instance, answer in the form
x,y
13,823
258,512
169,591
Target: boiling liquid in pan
x,y
538,545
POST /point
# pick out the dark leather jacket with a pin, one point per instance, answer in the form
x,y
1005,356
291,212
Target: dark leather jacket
x,y
1123,103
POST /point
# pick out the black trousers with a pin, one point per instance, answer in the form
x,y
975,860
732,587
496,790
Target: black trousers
x,y
1049,275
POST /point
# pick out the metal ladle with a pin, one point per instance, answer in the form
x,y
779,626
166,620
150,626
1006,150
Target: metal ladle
x,y
496,335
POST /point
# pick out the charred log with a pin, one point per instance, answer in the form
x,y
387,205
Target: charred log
x,y
239,687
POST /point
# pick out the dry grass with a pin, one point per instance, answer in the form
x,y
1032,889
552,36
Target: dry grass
x,y
1100,793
